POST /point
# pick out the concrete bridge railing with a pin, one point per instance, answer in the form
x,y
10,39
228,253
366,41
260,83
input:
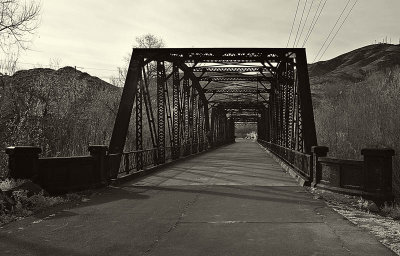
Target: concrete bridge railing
x,y
370,177
59,175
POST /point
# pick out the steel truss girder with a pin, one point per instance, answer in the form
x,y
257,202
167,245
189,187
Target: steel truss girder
x,y
290,115
121,125
248,91
139,126
161,111
181,65
201,131
219,54
149,109
286,118
194,123
244,118
243,113
176,113
241,105
231,69
235,78
186,114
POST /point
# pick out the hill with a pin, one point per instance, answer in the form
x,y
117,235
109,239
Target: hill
x,y
355,65
64,76
62,111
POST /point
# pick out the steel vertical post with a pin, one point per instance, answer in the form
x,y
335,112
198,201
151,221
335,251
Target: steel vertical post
x,y
139,127
176,114
161,111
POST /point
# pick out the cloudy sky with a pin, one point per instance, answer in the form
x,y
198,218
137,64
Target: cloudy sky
x,y
95,35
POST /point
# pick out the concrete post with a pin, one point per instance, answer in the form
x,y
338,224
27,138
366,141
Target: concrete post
x,y
101,170
23,162
378,170
317,151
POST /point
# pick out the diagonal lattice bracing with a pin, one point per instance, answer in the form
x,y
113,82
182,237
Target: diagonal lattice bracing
x,y
200,93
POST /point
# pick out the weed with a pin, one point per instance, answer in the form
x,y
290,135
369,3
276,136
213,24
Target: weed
x,y
9,184
391,210
18,204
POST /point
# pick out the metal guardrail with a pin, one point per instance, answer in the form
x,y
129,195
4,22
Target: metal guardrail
x,y
301,162
129,160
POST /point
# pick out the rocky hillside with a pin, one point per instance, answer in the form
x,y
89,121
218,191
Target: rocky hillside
x,y
351,68
62,111
355,65
64,76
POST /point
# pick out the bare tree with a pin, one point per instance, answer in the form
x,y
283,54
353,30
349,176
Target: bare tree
x,y
8,63
144,41
149,41
18,21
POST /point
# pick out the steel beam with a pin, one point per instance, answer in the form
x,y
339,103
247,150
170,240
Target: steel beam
x,y
230,69
139,127
307,114
234,78
232,91
121,124
176,116
161,111
194,123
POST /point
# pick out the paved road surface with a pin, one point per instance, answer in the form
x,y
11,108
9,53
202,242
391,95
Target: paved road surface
x,y
235,200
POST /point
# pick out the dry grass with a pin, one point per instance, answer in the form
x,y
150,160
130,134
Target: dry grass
x,y
383,222
391,210
9,184
17,203
359,115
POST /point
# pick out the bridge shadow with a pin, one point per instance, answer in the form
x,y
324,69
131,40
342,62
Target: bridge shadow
x,y
230,173
99,197
241,192
112,194
220,179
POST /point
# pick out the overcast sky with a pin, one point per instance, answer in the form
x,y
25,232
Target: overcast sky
x,y
95,35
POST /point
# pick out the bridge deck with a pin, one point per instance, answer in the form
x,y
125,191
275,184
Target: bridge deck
x,y
233,201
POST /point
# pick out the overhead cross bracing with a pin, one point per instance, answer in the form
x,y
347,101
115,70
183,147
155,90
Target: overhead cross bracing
x,y
252,91
193,96
231,69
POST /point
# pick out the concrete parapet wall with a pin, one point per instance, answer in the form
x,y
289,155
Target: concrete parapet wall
x,y
370,177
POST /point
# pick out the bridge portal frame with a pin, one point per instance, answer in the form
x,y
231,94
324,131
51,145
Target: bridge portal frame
x,y
285,117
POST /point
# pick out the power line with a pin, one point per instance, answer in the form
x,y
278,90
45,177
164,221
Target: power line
x,y
331,30
314,21
301,19
305,22
339,29
294,19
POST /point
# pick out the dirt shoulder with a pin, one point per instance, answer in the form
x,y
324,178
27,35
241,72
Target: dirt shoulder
x,y
366,215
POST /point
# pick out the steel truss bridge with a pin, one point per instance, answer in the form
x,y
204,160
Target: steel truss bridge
x,y
178,102
187,100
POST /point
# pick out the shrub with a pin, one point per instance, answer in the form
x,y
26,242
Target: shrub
x,y
358,115
391,210
9,184
15,203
